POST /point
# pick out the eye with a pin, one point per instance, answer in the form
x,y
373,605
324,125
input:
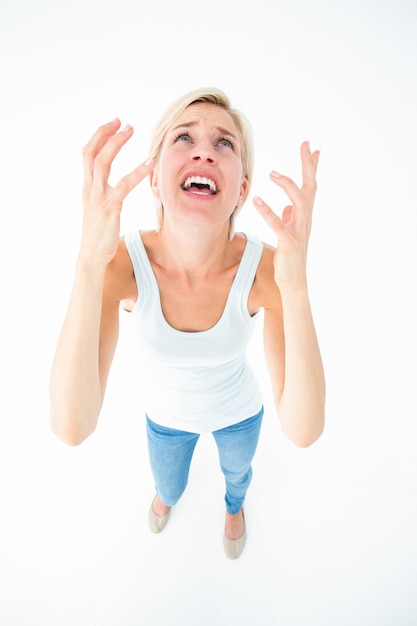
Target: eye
x,y
183,137
226,143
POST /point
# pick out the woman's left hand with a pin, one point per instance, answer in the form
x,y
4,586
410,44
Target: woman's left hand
x,y
293,228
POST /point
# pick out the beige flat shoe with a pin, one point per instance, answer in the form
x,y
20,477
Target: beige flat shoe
x,y
157,523
234,547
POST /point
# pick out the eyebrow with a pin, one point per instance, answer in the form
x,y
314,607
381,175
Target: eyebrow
x,y
221,129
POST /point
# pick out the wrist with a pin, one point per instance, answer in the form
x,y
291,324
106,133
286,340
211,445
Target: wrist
x,y
89,264
295,298
293,289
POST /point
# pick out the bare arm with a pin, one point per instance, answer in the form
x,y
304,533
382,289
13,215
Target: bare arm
x,y
83,356
291,346
90,330
296,369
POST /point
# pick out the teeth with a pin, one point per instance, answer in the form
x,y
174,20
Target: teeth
x,y
200,180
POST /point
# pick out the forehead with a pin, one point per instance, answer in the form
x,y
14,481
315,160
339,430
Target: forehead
x,y
210,113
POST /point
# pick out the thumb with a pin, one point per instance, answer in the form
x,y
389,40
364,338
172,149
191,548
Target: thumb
x,y
287,215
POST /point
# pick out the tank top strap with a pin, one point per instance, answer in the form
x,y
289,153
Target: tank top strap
x,y
242,283
246,272
145,278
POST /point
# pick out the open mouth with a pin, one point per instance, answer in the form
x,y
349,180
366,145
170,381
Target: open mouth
x,y
200,185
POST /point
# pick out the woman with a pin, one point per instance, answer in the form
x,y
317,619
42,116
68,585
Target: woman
x,y
194,289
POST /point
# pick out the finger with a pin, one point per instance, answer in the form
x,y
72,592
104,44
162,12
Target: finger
x,y
129,182
271,218
287,215
104,159
309,162
292,190
299,215
93,147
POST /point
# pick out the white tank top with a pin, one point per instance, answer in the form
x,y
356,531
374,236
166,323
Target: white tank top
x,y
196,381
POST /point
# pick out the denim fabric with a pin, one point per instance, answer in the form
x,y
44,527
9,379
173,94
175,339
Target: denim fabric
x,y
171,451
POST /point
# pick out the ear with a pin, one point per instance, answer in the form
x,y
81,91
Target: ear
x,y
153,178
244,188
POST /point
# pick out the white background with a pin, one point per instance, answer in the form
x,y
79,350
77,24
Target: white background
x,y
332,529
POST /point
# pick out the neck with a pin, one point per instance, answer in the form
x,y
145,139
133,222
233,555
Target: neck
x,y
196,249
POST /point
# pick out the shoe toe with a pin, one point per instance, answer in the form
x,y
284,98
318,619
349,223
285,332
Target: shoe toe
x,y
234,547
157,523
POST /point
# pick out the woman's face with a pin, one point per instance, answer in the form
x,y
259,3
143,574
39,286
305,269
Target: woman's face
x,y
199,176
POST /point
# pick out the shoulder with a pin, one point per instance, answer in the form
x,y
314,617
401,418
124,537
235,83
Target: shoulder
x,y
120,281
265,293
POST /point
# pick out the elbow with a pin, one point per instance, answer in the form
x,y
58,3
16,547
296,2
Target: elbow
x,y
305,440
308,433
70,420
70,439
63,427
304,430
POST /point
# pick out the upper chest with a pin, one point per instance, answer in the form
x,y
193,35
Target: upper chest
x,y
193,305
197,302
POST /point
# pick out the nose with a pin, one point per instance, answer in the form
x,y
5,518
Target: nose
x,y
204,152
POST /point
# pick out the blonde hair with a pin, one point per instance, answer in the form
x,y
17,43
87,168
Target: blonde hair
x,y
211,96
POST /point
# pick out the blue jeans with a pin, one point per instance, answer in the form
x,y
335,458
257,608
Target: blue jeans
x,y
171,451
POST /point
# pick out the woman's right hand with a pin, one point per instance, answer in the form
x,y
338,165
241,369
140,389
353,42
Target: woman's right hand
x,y
103,203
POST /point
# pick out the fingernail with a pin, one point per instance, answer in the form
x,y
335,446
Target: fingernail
x,y
257,200
148,161
126,129
276,174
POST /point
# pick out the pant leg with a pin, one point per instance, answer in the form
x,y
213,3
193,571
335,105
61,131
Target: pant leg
x,y
170,454
237,445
